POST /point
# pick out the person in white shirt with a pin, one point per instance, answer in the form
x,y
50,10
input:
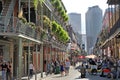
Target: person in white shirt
x,y
31,69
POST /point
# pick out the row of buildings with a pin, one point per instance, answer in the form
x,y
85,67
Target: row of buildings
x,y
33,31
108,41
93,26
103,32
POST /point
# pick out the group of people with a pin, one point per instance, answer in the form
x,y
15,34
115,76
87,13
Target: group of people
x,y
110,66
58,67
113,65
5,70
64,67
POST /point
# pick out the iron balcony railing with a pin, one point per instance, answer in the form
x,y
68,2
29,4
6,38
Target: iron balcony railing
x,y
17,27
49,5
115,27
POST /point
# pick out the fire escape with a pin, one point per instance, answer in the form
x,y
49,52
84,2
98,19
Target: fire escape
x,y
6,15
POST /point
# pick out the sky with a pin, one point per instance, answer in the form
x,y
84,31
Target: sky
x,y
81,6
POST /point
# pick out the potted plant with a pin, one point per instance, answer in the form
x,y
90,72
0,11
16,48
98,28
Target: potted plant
x,y
32,25
46,22
23,20
54,26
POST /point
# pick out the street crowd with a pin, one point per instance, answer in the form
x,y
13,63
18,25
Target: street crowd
x,y
5,70
107,67
57,67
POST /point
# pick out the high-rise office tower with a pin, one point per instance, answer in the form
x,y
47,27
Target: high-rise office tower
x,y
93,26
75,21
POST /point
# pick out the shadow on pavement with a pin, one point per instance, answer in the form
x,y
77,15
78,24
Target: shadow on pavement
x,y
78,67
57,76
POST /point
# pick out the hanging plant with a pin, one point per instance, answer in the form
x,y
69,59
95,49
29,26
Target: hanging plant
x,y
23,20
66,18
54,26
60,9
62,13
59,32
52,1
46,22
57,3
32,25
65,37
36,4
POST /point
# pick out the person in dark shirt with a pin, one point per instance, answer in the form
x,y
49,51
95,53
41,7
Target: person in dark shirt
x,y
4,69
82,71
62,68
8,73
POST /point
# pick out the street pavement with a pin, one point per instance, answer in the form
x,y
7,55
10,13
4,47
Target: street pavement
x,y
74,74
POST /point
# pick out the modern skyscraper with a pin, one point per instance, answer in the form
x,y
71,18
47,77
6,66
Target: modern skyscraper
x,y
75,21
93,26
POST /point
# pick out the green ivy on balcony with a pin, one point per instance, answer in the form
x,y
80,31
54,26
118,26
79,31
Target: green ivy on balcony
x,y
59,8
59,32
23,20
36,3
32,25
46,22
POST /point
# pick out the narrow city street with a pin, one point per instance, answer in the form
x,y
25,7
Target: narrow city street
x,y
74,75
41,38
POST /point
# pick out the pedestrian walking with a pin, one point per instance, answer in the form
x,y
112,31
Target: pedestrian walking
x,y
53,67
49,68
62,69
4,69
31,69
82,71
67,66
9,73
57,67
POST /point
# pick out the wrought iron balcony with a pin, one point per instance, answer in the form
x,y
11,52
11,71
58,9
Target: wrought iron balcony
x,y
49,5
115,27
17,27
113,2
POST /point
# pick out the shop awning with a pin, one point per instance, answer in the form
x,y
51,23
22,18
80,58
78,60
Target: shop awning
x,y
91,56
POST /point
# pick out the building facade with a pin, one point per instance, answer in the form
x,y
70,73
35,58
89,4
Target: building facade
x,y
93,26
109,38
75,21
26,34
84,43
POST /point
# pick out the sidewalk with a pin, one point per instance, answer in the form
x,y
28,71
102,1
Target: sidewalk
x,y
59,77
38,76
35,77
